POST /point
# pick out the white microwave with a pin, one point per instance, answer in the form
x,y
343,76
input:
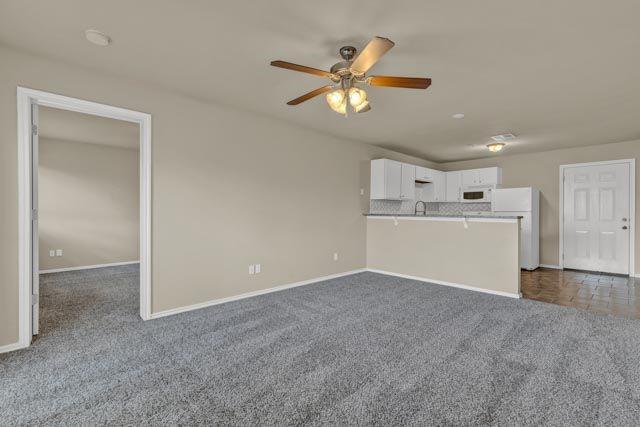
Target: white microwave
x,y
476,195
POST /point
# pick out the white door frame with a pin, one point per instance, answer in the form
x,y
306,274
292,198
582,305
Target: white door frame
x,y
27,97
632,208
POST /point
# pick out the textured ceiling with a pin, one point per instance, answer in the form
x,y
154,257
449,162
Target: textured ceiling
x,y
71,126
556,73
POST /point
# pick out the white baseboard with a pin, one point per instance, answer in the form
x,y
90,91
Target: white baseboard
x,y
12,347
88,267
443,283
250,294
555,267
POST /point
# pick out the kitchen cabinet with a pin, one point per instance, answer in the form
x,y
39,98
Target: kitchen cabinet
x,y
424,174
454,185
408,187
436,190
392,180
481,177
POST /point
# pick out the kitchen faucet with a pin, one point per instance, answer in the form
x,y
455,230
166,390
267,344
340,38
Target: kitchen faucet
x,y
424,205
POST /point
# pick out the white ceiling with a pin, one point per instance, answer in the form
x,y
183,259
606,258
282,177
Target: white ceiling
x,y
65,125
556,73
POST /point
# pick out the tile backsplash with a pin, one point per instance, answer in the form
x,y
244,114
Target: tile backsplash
x,y
455,207
408,207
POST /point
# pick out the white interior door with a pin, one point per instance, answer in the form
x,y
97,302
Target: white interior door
x,y
35,267
596,226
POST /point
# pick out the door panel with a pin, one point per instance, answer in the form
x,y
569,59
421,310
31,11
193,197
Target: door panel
x,y
393,180
408,182
596,208
470,178
453,182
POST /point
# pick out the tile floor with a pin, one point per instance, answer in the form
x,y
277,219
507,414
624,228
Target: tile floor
x,y
601,293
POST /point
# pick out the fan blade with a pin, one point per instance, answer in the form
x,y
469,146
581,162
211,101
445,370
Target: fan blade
x,y
371,53
301,68
407,82
312,94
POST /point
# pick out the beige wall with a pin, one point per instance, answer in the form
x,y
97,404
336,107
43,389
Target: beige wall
x,y
542,170
89,204
229,188
448,252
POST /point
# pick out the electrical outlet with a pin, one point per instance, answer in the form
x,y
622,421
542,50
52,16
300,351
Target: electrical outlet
x,y
258,268
58,252
252,269
52,252
335,256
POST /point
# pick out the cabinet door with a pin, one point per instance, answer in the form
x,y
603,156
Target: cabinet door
x,y
393,180
425,174
453,184
470,178
440,186
488,176
408,188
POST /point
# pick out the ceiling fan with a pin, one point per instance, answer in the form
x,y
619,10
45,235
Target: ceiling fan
x,y
350,73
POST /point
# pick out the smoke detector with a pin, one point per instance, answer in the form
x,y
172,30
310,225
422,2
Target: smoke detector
x,y
504,137
97,38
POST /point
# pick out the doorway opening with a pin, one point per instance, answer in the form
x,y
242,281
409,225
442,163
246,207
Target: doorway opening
x,y
31,256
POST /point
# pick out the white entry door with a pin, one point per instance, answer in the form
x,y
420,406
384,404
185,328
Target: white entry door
x,y
35,265
596,226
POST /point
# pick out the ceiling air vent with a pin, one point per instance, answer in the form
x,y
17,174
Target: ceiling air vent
x,y
505,137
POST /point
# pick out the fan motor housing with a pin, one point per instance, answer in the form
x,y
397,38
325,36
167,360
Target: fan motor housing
x,y
341,68
348,52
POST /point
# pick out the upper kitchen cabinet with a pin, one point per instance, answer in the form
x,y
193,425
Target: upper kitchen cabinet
x,y
436,189
408,188
424,174
391,180
481,177
454,184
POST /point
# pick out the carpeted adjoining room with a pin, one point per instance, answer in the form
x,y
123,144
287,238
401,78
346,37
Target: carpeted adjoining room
x,y
362,349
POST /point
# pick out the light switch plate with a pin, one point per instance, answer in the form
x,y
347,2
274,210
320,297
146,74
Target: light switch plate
x,y
335,256
258,268
58,252
52,252
252,269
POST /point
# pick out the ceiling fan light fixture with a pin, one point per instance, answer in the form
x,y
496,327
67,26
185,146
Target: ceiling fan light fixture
x,y
337,101
496,146
363,108
357,97
341,92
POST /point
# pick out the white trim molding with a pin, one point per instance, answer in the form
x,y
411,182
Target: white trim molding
x,y
11,347
87,267
457,218
632,208
443,283
25,99
251,294
555,267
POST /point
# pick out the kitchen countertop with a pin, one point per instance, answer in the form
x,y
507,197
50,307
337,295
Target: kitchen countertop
x,y
488,215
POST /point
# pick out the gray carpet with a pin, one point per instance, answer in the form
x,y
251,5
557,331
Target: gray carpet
x,y
365,349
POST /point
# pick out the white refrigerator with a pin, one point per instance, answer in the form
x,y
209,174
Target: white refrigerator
x,y
524,202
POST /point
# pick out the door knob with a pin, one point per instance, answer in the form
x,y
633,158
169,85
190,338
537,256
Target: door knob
x,y
624,227
624,219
